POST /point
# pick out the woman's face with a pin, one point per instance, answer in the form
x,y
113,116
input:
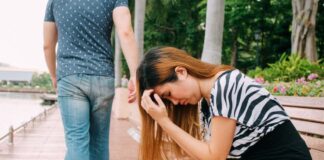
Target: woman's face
x,y
183,91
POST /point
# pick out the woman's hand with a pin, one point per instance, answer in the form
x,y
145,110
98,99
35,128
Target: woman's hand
x,y
156,110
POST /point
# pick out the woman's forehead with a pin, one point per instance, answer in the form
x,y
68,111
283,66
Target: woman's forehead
x,y
161,89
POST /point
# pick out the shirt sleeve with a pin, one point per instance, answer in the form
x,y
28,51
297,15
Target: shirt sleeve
x,y
238,97
229,98
49,15
220,103
120,3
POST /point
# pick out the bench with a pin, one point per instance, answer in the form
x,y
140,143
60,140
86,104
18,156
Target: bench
x,y
307,114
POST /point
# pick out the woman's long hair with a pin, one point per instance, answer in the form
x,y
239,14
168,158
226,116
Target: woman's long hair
x,y
157,68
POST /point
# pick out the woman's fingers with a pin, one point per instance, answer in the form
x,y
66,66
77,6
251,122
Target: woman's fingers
x,y
150,102
159,100
147,93
143,105
156,110
145,96
145,102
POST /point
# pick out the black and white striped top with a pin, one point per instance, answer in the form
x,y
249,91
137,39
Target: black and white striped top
x,y
239,97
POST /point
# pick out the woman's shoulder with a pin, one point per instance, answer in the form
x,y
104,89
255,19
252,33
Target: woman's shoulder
x,y
228,76
228,72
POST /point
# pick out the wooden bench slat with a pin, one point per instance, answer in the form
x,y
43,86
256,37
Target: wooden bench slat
x,y
314,143
307,114
316,155
309,127
305,102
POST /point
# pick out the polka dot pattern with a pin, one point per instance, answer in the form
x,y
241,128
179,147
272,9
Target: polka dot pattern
x,y
84,31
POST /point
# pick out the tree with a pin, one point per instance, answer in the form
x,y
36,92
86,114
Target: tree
x,y
175,23
234,48
320,29
255,32
42,80
303,28
212,51
139,25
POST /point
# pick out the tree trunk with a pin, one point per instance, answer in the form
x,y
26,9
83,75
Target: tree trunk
x,y
118,62
139,25
212,52
234,49
303,28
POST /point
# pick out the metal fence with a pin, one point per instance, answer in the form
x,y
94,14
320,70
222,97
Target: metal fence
x,y
12,130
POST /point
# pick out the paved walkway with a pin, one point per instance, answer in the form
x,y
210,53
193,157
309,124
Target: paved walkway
x,y
45,141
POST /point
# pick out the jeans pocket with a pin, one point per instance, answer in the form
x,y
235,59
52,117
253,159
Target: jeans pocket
x,y
107,86
68,86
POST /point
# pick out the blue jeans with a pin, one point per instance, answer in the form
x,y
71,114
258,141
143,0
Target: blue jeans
x,y
85,103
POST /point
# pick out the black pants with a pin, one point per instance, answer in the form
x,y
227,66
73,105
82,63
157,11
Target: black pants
x,y
283,143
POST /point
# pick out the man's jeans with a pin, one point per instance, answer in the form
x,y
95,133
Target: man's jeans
x,y
85,103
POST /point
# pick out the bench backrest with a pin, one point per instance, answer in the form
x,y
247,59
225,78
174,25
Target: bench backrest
x,y
307,114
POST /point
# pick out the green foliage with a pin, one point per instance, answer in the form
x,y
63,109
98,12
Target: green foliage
x,y
311,89
288,69
320,29
180,23
42,80
259,29
125,69
174,23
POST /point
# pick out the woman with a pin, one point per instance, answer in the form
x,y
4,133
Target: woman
x,y
240,119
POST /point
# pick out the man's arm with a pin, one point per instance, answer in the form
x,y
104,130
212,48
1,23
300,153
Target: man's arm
x,y
123,26
50,41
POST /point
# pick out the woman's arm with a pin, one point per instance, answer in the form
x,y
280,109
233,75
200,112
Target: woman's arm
x,y
219,146
221,137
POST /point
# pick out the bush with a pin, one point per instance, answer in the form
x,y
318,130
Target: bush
x,y
42,80
288,69
304,88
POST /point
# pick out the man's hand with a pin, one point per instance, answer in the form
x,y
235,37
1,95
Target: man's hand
x,y
131,90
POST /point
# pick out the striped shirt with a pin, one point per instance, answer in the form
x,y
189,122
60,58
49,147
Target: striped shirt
x,y
255,110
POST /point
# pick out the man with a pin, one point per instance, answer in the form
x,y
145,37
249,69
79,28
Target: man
x,y
85,72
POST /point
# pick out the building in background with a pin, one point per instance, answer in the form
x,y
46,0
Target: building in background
x,y
12,75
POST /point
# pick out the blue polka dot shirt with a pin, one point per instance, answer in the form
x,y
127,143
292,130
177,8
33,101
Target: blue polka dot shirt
x,y
84,31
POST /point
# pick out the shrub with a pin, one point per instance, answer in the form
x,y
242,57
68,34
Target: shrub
x,y
288,69
302,88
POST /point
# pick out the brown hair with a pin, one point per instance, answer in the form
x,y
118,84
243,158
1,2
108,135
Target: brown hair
x,y
158,68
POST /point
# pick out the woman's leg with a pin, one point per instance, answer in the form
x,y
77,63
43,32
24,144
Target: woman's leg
x,y
283,143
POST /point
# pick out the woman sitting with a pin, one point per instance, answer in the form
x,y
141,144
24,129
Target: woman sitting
x,y
238,118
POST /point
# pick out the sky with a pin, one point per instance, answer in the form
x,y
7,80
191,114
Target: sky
x,y
21,33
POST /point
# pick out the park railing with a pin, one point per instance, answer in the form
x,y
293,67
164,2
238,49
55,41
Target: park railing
x,y
12,130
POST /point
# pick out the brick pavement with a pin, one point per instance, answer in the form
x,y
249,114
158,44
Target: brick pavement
x,y
45,141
